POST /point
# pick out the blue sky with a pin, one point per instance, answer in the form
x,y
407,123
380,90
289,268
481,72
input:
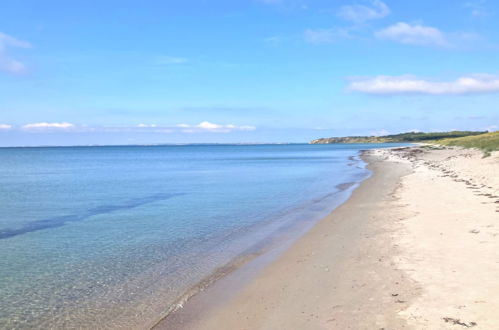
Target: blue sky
x,y
130,72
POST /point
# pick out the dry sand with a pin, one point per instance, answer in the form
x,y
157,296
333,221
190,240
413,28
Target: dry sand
x,y
415,247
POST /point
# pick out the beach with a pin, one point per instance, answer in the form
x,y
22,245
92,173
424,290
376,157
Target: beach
x,y
416,246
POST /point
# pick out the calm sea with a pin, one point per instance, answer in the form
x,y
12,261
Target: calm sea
x,y
111,237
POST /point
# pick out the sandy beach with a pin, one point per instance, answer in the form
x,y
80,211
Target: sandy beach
x,y
415,247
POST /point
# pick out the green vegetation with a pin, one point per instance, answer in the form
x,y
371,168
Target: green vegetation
x,y
403,137
409,137
487,142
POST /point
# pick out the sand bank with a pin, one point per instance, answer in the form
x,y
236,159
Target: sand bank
x,y
415,247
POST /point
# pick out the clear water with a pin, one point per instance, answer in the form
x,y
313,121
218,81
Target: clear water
x,y
110,237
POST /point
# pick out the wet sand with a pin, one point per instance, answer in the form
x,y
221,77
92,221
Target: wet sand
x,y
415,247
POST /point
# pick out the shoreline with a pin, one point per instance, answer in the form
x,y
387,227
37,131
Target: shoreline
x,y
380,260
245,267
200,307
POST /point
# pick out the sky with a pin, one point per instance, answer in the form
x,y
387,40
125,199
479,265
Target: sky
x,y
253,71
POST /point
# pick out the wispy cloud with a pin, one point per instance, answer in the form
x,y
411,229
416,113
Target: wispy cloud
x,y
393,85
274,40
356,13
325,36
232,109
379,132
203,127
271,2
140,128
207,126
45,125
414,34
7,63
287,4
361,13
491,128
477,8
171,60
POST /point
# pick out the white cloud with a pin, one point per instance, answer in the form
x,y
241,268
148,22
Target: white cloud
x,y
5,127
207,126
44,125
414,35
471,84
325,36
361,13
146,125
7,63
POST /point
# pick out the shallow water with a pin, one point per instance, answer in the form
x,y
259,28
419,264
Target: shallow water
x,y
110,237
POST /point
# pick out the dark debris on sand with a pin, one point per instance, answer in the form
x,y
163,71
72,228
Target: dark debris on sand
x,y
458,322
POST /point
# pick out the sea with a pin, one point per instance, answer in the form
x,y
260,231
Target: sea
x,y
115,237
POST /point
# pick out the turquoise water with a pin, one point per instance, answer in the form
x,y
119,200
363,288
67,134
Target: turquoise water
x,y
110,237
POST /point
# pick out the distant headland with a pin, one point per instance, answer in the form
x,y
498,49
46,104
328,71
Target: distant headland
x,y
394,138
485,141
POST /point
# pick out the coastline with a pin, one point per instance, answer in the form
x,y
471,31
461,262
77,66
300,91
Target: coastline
x,y
226,281
204,316
377,261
